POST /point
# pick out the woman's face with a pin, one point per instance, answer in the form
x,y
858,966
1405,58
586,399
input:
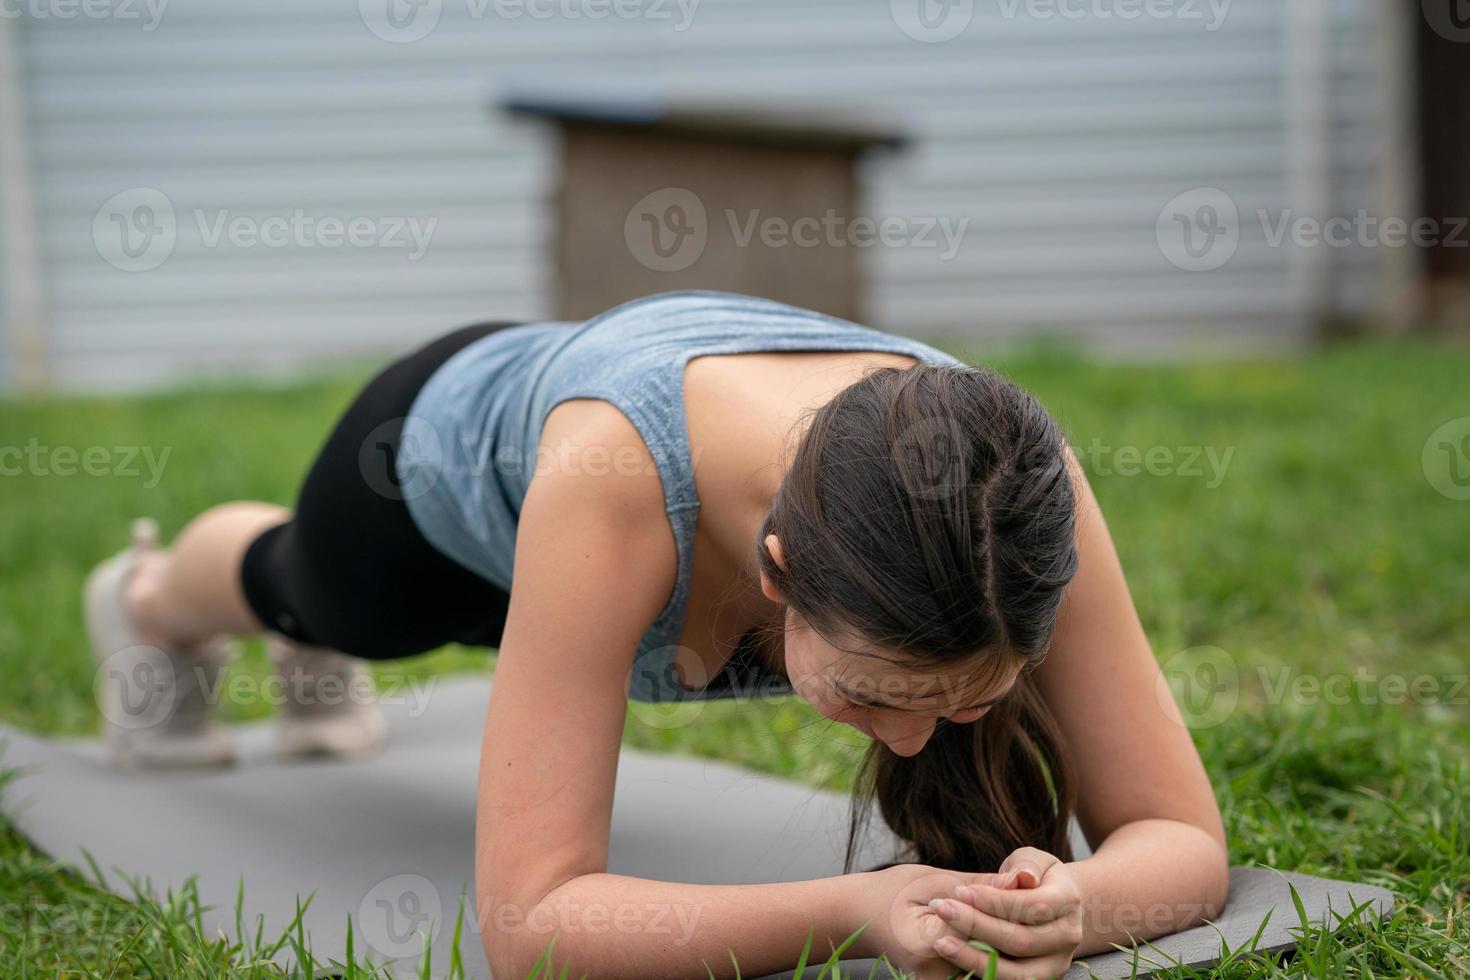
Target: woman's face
x,y
879,697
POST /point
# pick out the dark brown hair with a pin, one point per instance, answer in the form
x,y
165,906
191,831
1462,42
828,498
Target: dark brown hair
x,y
930,511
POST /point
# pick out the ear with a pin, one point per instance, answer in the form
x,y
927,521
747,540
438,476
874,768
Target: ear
x,y
773,545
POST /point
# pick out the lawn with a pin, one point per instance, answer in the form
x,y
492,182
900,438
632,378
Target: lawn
x,y
1279,518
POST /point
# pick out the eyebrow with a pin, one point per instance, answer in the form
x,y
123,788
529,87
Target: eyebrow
x,y
857,698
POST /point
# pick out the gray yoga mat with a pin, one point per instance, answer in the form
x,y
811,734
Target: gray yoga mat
x,y
389,840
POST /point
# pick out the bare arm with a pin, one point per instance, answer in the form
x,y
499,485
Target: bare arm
x,y
595,563
1145,802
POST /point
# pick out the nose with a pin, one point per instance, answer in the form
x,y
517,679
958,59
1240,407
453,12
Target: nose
x,y
905,734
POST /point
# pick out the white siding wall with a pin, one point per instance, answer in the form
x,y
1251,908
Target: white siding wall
x,y
1059,139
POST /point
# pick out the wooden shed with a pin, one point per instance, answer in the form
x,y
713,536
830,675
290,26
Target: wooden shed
x,y
759,199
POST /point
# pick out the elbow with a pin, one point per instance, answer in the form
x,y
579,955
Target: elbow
x,y
1216,885
509,952
504,961
517,931
502,952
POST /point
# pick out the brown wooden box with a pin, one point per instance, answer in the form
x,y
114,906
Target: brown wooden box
x,y
658,198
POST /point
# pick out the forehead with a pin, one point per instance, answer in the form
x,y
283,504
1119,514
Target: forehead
x,y
902,680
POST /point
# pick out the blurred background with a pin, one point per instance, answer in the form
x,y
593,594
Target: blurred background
x,y
196,187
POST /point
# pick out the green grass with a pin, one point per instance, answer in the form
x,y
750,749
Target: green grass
x,y
1323,552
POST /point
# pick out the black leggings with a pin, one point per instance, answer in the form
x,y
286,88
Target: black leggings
x,y
350,570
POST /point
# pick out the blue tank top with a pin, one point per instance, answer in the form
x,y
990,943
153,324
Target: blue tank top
x,y
470,442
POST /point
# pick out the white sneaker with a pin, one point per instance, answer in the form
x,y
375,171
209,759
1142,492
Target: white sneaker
x,y
330,703
156,703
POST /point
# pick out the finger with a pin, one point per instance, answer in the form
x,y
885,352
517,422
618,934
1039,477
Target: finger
x,y
1040,966
1031,906
1015,879
970,956
992,878
1011,938
975,961
1028,861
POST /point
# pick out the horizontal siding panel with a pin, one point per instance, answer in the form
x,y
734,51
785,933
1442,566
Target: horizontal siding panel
x,y
439,183
352,325
494,233
364,274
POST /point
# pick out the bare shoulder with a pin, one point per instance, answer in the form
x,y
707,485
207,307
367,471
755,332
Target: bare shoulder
x,y
595,455
593,523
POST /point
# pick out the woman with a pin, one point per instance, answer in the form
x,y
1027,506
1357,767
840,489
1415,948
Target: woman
x,y
821,508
